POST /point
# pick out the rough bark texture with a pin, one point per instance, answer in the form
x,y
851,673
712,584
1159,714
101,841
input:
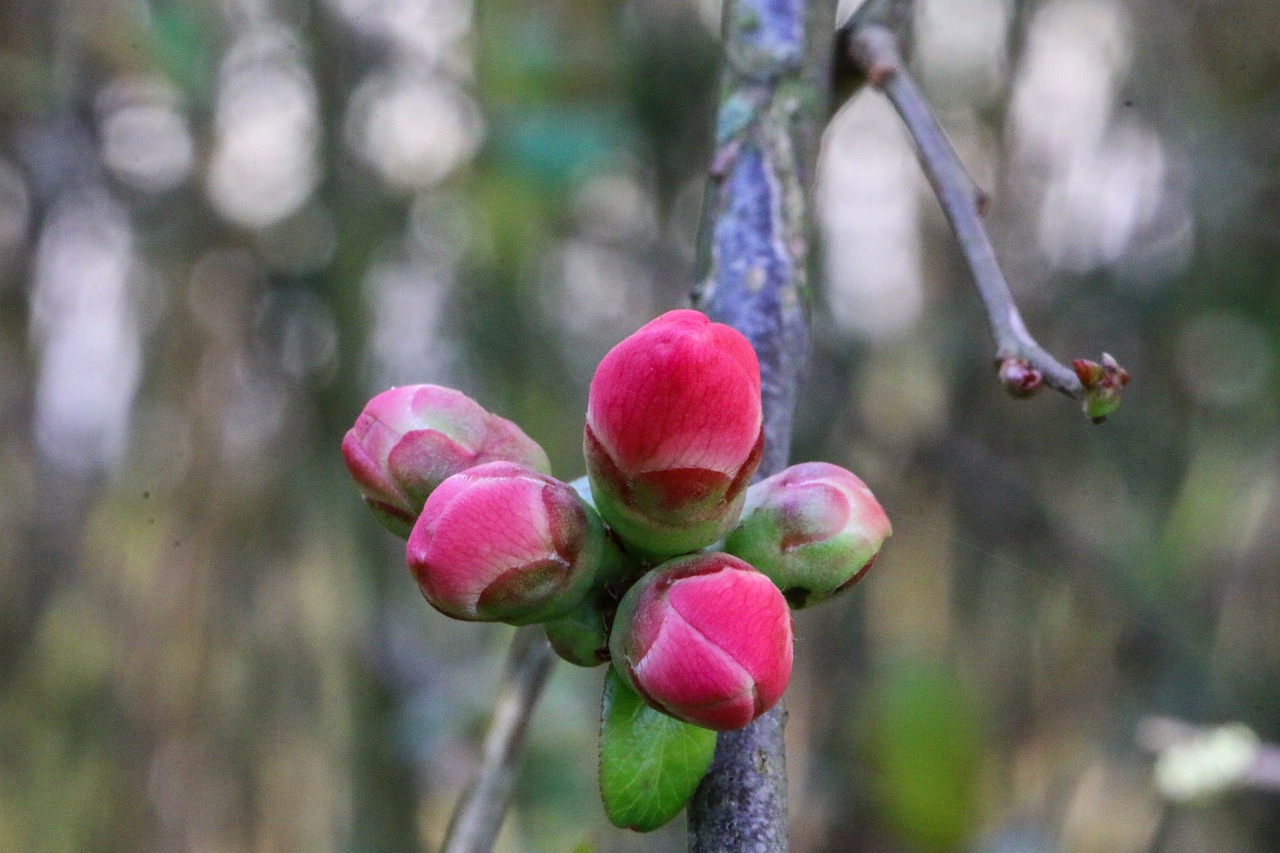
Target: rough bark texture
x,y
754,275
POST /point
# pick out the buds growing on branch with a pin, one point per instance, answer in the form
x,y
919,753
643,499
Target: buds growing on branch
x,y
674,432
706,639
871,38
673,435
1102,384
408,440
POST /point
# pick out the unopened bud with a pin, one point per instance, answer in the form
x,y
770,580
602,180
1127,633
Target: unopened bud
x,y
1102,384
502,542
409,439
814,529
706,639
674,432
581,637
1019,378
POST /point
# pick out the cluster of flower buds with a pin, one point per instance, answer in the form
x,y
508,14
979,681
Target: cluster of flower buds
x,y
662,559
1102,384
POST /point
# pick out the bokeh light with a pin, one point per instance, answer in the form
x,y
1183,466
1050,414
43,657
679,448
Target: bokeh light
x,y
263,165
83,322
145,139
871,218
413,131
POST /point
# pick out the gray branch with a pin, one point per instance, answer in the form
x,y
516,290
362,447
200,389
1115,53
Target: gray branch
x,y
875,34
754,275
480,811
876,51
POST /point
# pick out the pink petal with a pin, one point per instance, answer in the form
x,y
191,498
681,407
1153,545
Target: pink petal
x,y
681,392
694,680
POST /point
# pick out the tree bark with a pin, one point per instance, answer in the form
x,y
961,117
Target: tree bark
x,y
754,274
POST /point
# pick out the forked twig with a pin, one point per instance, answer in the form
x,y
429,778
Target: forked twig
x,y
1022,363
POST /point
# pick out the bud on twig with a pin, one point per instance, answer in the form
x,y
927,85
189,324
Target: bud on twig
x,y
502,542
1019,378
409,439
706,639
1102,384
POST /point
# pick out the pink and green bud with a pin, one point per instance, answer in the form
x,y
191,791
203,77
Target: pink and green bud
x,y
674,432
813,529
504,543
705,639
409,439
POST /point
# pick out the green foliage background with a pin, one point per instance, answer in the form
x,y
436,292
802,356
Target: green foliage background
x,y
207,644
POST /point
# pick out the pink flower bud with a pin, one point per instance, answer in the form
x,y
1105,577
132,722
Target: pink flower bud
x,y
674,432
814,529
706,639
409,439
503,543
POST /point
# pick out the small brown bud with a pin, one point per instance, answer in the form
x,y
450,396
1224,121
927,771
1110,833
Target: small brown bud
x,y
1090,372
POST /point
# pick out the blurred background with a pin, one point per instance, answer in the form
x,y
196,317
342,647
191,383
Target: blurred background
x,y
224,225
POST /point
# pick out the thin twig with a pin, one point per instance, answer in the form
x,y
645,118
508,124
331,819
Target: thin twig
x,y
1023,364
480,811
754,275
875,49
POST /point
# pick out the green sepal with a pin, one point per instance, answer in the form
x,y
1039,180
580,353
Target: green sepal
x,y
650,763
581,636
1099,403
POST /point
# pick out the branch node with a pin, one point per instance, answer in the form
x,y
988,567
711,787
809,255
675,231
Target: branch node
x,y
875,50
1020,379
981,200
1023,365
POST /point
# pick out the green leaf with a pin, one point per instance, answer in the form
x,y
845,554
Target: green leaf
x,y
650,763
